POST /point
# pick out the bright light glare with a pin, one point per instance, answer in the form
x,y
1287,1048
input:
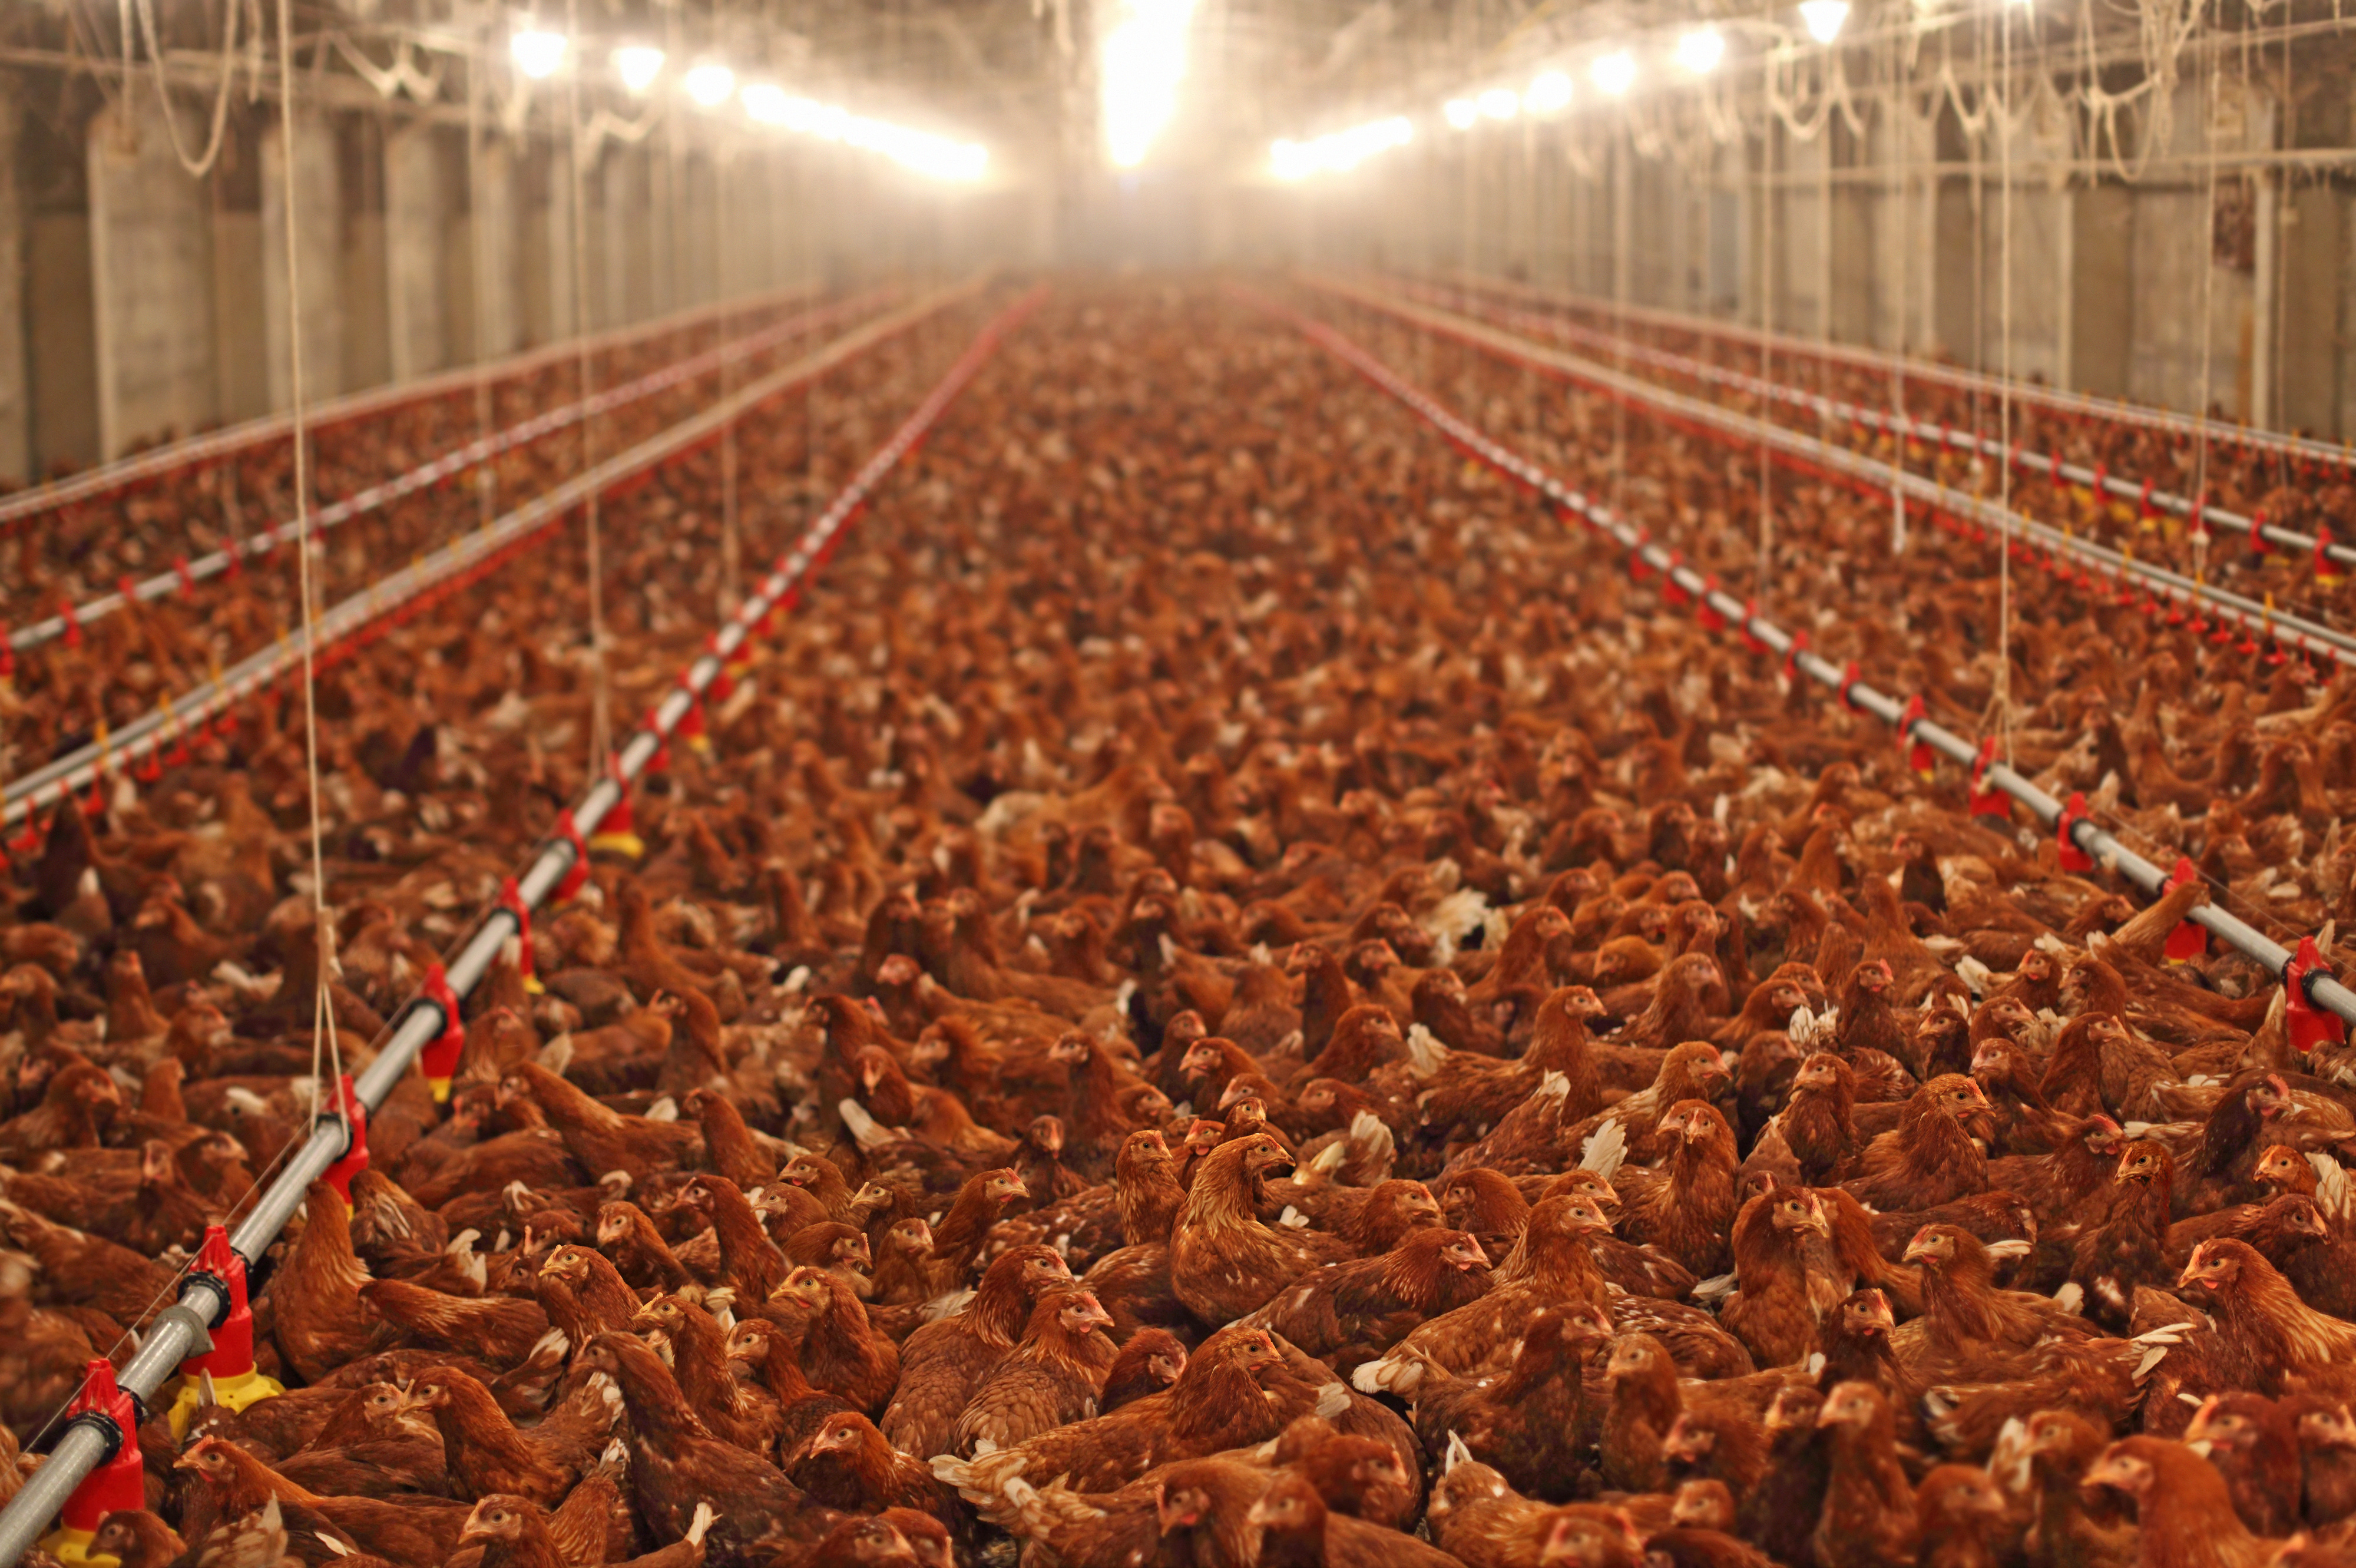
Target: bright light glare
x,y
1501,103
536,54
1461,113
637,66
1144,60
710,85
1549,93
1340,151
764,102
1824,18
922,151
1700,50
1614,73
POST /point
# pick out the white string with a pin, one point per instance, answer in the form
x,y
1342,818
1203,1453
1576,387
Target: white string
x,y
1766,329
487,473
1901,131
2003,131
202,163
323,1009
600,740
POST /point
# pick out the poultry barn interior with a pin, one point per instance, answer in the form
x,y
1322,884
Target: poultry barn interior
x,y
1177,783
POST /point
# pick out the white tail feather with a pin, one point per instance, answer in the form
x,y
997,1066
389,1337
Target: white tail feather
x,y
865,1131
1604,1150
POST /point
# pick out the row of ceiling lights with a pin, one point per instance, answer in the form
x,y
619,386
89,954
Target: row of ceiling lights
x,y
541,54
1697,52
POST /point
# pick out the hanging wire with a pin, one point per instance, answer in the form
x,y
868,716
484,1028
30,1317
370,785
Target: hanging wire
x,y
323,1010
600,735
2004,124
487,473
201,163
1766,323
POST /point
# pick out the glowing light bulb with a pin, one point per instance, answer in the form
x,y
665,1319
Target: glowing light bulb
x,y
637,66
1500,103
1461,113
536,53
1614,73
1824,18
1700,50
1549,93
710,85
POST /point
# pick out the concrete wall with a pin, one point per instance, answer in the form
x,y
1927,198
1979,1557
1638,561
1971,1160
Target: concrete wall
x,y
151,265
16,244
138,302
317,265
1901,236
417,213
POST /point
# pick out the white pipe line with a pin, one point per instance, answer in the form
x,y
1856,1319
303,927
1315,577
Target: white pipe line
x,y
2105,848
178,1333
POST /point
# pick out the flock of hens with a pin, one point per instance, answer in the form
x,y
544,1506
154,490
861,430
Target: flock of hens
x,y
1226,994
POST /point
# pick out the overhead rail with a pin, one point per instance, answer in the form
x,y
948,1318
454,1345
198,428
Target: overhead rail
x,y
151,735
2253,618
215,444
2146,494
2080,406
185,1328
2309,983
187,574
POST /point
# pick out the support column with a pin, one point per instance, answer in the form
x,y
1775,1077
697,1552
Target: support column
x,y
16,402
630,220
151,280
319,228
491,253
416,212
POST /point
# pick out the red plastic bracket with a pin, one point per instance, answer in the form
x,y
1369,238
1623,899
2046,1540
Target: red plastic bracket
x,y
1750,638
1792,655
2308,1025
439,1059
1919,754
1985,801
120,1482
73,622
2187,941
1706,612
1848,679
2327,570
570,831
356,1158
1672,591
511,901
2259,543
232,1351
2071,856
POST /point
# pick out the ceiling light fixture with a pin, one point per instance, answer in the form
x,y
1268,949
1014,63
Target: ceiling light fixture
x,y
1824,18
537,53
1700,50
1614,73
1549,93
637,66
710,85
